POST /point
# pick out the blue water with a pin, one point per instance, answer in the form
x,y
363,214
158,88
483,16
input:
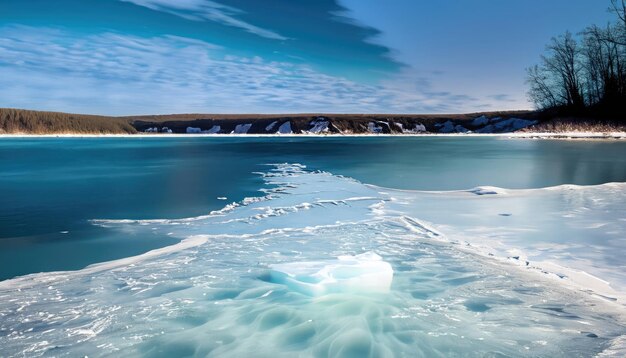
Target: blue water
x,y
68,203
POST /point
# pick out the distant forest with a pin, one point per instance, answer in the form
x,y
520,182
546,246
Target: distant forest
x,y
37,122
584,74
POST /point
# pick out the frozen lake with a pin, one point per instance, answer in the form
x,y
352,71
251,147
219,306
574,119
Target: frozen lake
x,y
492,247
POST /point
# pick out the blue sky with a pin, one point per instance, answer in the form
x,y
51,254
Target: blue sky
x,y
123,57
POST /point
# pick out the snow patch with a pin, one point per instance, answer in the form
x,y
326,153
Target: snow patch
x,y
271,126
193,130
213,130
460,129
450,127
419,128
242,128
374,128
617,348
447,127
319,126
480,121
285,128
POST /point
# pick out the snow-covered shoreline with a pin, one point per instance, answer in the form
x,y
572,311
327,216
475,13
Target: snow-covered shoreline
x,y
521,135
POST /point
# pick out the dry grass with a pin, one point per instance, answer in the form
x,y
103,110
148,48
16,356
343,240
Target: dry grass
x,y
571,125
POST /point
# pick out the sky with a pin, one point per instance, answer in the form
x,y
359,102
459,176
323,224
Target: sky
x,y
128,57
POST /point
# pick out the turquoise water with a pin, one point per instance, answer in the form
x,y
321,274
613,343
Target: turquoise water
x,y
461,285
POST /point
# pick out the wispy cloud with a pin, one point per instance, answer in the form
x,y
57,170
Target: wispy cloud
x,y
119,74
200,10
501,97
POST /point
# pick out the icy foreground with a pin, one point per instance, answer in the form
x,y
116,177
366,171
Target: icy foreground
x,y
237,283
364,273
574,234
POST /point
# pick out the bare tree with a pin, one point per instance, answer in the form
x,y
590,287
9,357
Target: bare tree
x,y
561,63
618,7
590,73
541,89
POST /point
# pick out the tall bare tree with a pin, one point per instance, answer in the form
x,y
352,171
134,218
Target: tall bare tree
x,y
541,88
558,77
618,7
587,73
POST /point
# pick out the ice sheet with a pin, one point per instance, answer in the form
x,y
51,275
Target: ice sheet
x,y
212,295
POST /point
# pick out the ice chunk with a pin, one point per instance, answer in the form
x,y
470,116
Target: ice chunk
x,y
319,126
364,273
242,128
419,128
487,190
447,127
450,127
193,130
507,125
518,123
460,129
213,130
285,128
487,129
480,121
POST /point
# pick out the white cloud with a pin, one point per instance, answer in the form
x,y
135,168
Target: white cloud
x,y
119,74
199,10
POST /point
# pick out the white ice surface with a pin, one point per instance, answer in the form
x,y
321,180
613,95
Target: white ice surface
x,y
212,294
572,233
364,273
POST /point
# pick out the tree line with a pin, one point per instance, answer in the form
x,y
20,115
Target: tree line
x,y
584,73
38,122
